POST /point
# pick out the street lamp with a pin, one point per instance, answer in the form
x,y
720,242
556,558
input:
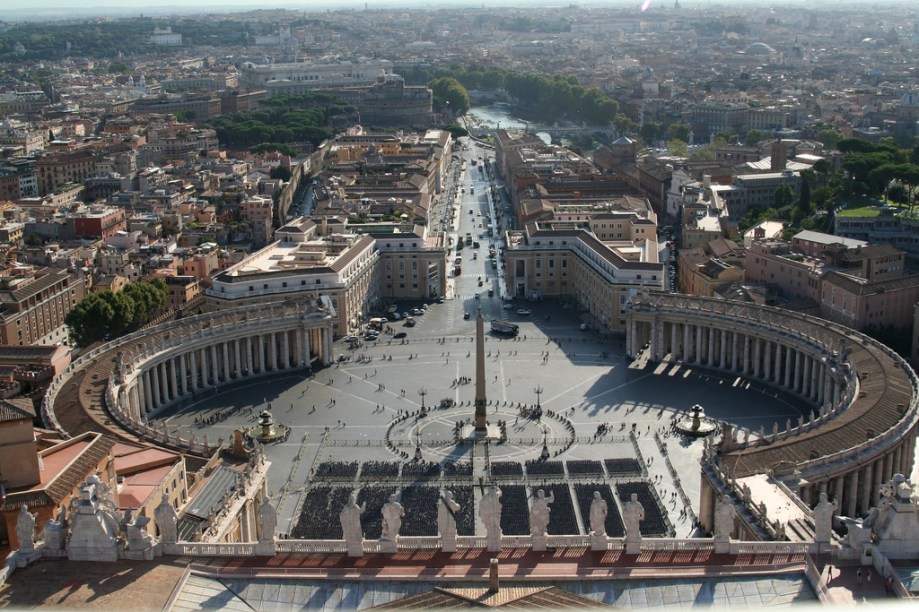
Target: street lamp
x,y
538,391
422,392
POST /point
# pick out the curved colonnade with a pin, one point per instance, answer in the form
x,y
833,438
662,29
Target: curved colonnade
x,y
862,430
157,367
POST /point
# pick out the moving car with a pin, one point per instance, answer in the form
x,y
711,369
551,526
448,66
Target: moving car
x,y
524,311
400,335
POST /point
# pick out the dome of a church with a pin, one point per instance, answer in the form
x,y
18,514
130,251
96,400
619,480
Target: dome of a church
x,y
759,48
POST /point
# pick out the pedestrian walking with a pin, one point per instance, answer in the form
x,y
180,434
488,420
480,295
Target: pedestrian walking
x,y
858,576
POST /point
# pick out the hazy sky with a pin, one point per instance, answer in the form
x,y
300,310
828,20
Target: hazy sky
x,y
49,9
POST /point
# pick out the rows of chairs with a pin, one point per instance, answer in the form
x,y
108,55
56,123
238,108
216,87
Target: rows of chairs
x,y
584,467
515,512
375,470
372,520
420,504
562,520
538,467
336,470
623,466
318,518
506,468
585,495
654,523
421,470
457,469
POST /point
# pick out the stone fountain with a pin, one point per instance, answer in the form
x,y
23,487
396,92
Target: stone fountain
x,y
266,430
696,425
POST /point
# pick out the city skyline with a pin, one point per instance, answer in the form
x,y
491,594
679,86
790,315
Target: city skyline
x,y
44,10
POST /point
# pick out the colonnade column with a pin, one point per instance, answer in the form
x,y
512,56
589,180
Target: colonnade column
x,y
745,368
193,358
734,356
673,342
852,494
777,368
878,479
816,387
757,351
698,346
867,486
148,393
183,375
273,351
685,342
767,359
789,366
238,363
155,386
285,350
722,358
226,361
164,385
711,347
260,345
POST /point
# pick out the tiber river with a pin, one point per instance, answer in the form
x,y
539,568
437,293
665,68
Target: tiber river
x,y
500,117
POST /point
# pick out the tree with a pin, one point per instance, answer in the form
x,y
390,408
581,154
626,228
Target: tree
x,y
829,137
784,196
280,172
678,148
754,137
450,91
678,131
105,313
650,132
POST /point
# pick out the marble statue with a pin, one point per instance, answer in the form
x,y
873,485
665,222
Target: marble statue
x,y
446,516
165,516
25,529
539,513
267,521
598,512
392,512
350,518
139,538
632,515
724,519
823,520
490,512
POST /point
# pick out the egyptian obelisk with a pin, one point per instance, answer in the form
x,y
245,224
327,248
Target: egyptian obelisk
x,y
480,428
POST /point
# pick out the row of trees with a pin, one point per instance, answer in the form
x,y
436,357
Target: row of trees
x,y
871,169
881,168
543,98
252,128
104,314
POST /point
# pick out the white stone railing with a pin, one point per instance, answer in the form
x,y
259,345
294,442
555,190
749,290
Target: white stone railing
x,y
204,549
311,546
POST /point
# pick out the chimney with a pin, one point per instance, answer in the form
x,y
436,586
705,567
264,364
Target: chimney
x,y
493,577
